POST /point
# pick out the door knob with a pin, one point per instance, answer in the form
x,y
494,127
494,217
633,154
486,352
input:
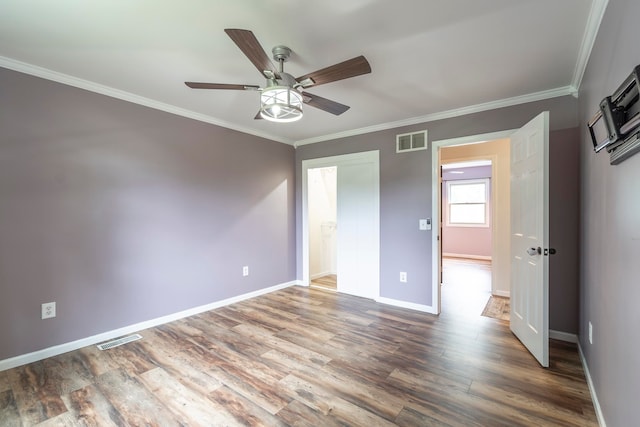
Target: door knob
x,y
534,251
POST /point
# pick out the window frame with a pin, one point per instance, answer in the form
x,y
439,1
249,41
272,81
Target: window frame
x,y
487,201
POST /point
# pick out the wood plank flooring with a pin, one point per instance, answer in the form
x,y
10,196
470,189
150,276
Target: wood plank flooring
x,y
305,357
330,282
466,285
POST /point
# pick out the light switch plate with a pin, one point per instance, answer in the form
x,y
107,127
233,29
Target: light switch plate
x,y
425,224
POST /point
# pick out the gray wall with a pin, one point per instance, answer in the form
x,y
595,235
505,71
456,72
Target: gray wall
x,y
122,214
405,196
610,232
564,229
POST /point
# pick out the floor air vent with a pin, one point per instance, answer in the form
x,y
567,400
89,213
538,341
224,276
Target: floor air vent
x,y
119,341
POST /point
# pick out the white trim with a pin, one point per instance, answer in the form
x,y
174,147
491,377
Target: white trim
x,y
317,275
592,389
68,80
563,336
467,256
95,339
487,202
404,304
457,112
596,14
506,294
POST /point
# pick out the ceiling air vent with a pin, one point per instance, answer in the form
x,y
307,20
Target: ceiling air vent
x,y
411,141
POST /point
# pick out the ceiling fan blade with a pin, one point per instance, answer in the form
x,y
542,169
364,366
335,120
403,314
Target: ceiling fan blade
x,y
324,104
197,85
344,70
250,46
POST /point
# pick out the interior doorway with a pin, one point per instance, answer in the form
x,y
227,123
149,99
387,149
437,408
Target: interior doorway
x,y
490,148
356,224
323,243
466,236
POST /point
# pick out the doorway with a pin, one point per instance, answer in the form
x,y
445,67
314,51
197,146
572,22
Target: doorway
x,y
492,147
357,222
520,244
323,244
467,228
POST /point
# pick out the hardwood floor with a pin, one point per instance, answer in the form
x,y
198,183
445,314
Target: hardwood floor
x,y
330,282
466,286
305,357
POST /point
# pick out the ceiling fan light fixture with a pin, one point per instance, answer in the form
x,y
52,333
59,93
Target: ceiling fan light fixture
x,y
281,104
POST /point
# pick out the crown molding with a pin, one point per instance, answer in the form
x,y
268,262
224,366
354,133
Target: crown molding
x,y
598,8
69,80
508,102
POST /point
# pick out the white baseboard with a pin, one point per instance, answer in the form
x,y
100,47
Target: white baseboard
x,y
505,294
563,336
315,276
96,339
481,257
405,304
592,390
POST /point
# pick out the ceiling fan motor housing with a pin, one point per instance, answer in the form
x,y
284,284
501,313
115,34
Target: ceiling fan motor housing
x,y
281,53
283,79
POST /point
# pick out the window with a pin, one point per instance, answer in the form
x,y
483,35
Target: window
x,y
468,203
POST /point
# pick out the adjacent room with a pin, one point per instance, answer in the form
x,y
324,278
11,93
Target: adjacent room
x,y
319,213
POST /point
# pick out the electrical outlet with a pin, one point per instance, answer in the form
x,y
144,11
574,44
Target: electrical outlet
x,y
245,270
48,310
403,276
590,333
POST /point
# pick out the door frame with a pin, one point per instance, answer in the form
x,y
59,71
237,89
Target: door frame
x,y
340,160
436,200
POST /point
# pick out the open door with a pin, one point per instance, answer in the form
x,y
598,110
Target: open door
x,y
530,236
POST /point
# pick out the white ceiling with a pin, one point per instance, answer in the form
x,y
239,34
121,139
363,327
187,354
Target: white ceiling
x,y
430,58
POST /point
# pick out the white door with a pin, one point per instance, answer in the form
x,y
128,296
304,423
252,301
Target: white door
x,y
530,236
358,228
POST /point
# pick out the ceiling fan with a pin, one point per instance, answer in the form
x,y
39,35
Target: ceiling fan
x,y
283,95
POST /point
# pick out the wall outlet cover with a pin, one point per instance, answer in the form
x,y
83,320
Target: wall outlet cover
x,y
48,310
